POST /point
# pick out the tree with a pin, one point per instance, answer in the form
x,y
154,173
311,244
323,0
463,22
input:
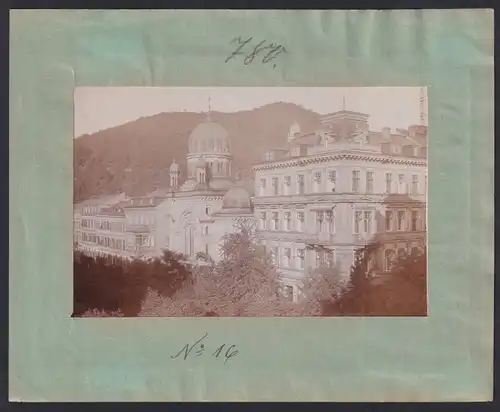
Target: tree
x,y
401,291
320,288
243,283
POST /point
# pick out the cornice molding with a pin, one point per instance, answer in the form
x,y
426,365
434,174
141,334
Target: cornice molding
x,y
310,160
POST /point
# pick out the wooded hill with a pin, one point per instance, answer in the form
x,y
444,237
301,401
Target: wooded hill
x,y
135,156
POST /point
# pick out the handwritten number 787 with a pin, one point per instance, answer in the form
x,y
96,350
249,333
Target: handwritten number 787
x,y
270,49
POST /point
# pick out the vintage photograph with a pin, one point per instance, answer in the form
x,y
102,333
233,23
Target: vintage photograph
x,y
250,201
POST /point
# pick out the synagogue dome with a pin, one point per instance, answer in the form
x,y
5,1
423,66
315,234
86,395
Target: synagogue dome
x,y
208,137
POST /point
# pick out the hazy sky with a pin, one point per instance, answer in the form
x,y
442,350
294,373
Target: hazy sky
x,y
99,108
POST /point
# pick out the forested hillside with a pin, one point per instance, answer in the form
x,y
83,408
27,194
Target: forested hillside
x,y
135,157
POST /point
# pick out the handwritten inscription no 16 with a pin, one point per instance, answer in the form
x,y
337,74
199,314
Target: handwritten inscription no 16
x,y
198,348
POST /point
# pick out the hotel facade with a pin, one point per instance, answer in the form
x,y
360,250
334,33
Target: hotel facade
x,y
314,202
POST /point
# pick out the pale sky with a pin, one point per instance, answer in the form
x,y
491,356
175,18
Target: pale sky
x,y
99,108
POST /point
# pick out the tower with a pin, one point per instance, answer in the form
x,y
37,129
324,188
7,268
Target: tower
x,y
174,175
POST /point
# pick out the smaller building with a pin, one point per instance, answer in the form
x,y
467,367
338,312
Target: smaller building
x,y
99,226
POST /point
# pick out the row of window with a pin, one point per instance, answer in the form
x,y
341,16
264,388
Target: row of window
x,y
325,221
400,185
105,241
90,210
396,221
275,222
215,168
205,145
283,257
100,225
286,186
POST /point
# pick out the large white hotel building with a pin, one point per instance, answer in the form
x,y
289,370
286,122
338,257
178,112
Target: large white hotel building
x,y
317,200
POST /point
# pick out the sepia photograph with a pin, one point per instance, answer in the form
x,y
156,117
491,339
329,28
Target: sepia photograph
x,y
250,201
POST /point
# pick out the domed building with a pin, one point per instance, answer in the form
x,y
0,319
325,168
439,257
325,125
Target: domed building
x,y
209,161
201,203
236,209
199,210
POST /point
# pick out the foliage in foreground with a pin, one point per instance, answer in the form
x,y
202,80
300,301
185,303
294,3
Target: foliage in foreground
x,y
243,283
246,283
117,285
